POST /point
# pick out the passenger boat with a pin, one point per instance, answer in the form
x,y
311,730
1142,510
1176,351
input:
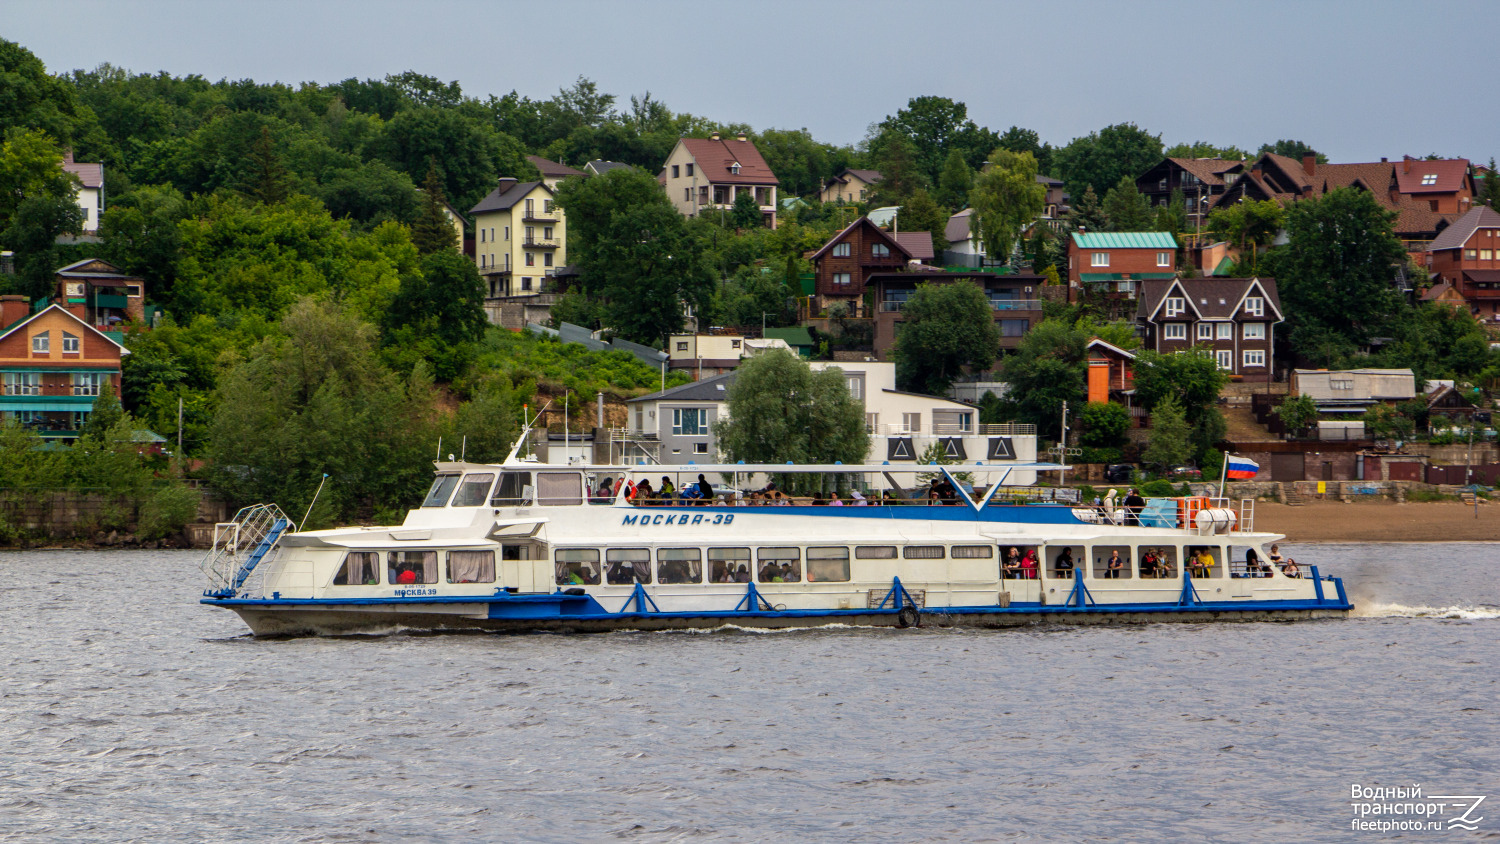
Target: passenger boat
x,y
524,546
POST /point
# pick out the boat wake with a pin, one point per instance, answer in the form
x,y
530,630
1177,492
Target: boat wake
x,y
1381,610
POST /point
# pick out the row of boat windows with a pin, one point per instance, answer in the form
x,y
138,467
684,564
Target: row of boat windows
x,y
513,489
362,568
772,564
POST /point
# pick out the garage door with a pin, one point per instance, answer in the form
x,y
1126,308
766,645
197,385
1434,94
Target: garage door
x,y
1286,467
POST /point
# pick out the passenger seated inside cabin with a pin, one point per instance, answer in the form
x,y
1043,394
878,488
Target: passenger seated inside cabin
x,y
705,489
1275,556
1202,563
742,573
1010,566
643,493
404,574
627,566
667,493
1063,565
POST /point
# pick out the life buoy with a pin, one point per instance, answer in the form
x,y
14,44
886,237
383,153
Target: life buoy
x,y
907,616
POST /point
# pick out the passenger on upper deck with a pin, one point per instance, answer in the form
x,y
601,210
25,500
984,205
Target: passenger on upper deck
x,y
667,491
705,489
1134,503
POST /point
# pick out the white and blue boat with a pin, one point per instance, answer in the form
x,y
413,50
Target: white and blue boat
x,y
525,546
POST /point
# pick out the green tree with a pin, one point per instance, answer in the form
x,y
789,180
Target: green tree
x,y
30,169
946,328
780,410
431,231
922,214
1017,139
935,126
1250,225
1204,149
954,182
746,211
1386,422
1126,209
1101,159
437,314
1335,272
33,233
1171,218
141,237
489,421
1192,380
106,413
1489,188
895,156
268,178
1006,198
1104,424
1297,412
634,252
29,96
1088,214
1170,443
1292,149
799,161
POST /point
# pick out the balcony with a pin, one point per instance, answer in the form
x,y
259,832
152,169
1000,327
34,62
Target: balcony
x,y
541,216
895,307
541,242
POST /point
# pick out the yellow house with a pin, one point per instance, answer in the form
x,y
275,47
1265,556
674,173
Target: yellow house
x,y
850,186
519,237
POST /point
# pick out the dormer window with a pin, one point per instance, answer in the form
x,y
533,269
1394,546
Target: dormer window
x,y
1255,306
1175,306
735,168
1429,179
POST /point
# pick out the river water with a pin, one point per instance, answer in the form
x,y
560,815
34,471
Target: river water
x,y
132,713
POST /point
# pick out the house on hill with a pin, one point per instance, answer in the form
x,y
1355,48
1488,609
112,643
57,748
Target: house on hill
x,y
520,237
709,174
1114,264
1233,318
843,264
100,294
54,364
552,171
1201,180
850,186
90,194
1014,299
1466,257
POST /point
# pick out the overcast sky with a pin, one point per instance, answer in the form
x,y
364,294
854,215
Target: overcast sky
x,y
1357,80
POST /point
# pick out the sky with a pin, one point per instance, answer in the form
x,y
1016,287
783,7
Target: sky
x,y
1350,78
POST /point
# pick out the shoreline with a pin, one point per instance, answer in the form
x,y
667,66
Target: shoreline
x,y
1379,521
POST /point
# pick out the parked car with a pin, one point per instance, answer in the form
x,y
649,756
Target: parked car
x,y
1189,472
1118,473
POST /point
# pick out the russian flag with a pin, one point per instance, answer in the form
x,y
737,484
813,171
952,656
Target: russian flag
x,y
1239,468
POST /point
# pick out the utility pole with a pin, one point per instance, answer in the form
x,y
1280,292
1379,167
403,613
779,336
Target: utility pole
x,y
1062,447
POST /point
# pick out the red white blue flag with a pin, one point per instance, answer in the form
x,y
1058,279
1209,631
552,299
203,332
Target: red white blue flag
x,y
1239,468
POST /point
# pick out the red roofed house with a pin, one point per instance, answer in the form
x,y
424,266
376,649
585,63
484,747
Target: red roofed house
x,y
707,174
91,195
53,364
843,266
1466,256
1427,196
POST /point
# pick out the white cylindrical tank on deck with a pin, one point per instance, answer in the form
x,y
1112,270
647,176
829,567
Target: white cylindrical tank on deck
x,y
1215,520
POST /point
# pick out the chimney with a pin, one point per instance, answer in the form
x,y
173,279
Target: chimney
x,y
740,137
1309,163
1383,161
504,183
1406,164
13,309
714,136
68,156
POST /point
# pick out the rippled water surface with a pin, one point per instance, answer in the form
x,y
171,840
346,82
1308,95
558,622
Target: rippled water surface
x,y
131,712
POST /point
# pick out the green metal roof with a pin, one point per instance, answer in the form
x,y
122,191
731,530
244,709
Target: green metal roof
x,y
1224,266
1124,240
796,336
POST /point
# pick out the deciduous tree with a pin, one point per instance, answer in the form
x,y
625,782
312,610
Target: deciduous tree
x,y
1100,159
780,410
946,328
1006,197
922,214
1170,443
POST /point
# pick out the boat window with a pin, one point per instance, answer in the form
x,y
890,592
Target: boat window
x,y
412,567
1102,567
1022,562
1063,561
519,551
779,565
923,552
1205,561
875,552
577,566
679,565
513,490
1245,561
729,565
360,568
474,489
442,487
1157,562
972,552
828,565
559,488
627,565
471,566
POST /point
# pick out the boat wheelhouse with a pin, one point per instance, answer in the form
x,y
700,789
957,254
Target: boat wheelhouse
x,y
527,546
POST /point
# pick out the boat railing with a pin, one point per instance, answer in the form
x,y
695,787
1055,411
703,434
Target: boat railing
x,y
241,545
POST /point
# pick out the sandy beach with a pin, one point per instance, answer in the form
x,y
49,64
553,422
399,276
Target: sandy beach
x,y
1380,521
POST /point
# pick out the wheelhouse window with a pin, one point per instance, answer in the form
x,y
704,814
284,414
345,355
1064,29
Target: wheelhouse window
x,y
442,488
513,490
360,568
779,565
471,566
729,565
577,566
679,565
473,491
625,566
412,567
828,565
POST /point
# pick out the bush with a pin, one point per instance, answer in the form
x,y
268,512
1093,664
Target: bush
x,y
165,511
1159,489
1091,454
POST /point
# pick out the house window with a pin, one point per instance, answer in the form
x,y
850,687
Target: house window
x,y
842,279
872,422
1205,331
734,344
841,250
735,168
1255,306
1164,259
880,250
87,383
41,343
546,232
1429,179
700,448
687,194
863,193
525,282
507,233
1226,331
1255,357
1162,185
1486,254
547,205
856,384
675,168
1225,358
546,259
1255,331
1175,306
482,236
1341,383
911,423
1470,254
531,207
682,346
133,291
689,170
689,421
530,259
23,383
1099,259
1174,331
482,261
70,343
